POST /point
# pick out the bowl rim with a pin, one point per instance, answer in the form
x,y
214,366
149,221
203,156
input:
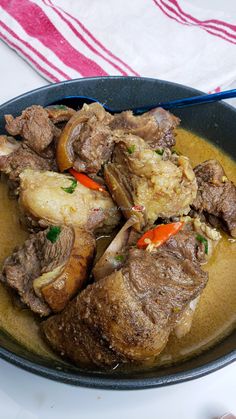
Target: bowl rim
x,y
103,382
50,86
116,383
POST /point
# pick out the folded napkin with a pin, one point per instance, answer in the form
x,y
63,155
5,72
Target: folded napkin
x,y
165,39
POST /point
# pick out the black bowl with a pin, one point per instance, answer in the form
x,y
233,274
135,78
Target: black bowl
x,y
217,123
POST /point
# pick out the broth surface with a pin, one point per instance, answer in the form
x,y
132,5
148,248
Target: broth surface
x,y
215,316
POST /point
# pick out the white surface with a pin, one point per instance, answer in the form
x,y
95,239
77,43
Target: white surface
x,y
25,396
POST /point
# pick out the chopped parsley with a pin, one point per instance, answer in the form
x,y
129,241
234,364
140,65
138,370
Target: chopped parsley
x,y
176,309
119,258
203,240
63,107
160,151
131,149
71,188
174,151
53,234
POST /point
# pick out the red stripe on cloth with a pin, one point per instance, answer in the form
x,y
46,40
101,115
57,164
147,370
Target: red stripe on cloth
x,y
98,42
204,23
165,13
35,64
82,38
36,23
164,7
184,21
221,22
219,36
27,45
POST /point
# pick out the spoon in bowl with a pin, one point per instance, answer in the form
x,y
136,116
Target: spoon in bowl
x,y
77,101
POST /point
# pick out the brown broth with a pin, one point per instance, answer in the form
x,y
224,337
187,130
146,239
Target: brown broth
x,y
215,316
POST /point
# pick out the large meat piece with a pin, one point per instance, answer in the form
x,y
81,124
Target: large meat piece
x,y
47,198
144,183
50,267
216,196
128,315
86,141
16,156
195,241
156,127
35,127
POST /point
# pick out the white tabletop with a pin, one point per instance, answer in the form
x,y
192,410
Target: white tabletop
x,y
26,396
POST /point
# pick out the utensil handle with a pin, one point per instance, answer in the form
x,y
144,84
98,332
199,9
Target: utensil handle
x,y
189,101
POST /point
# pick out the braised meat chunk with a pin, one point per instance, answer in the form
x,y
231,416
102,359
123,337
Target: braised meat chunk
x,y
184,245
48,198
145,184
16,157
216,196
128,315
95,143
86,142
49,268
88,139
35,127
155,127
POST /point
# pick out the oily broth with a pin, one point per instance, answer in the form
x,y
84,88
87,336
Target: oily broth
x,y
215,315
20,324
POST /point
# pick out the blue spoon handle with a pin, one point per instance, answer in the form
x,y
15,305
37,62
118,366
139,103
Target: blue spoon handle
x,y
77,101
189,101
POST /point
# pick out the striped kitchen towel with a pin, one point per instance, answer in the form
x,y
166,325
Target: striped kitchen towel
x,y
165,39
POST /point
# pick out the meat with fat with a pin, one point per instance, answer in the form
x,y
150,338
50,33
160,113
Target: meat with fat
x,y
59,113
128,315
146,185
36,129
216,196
88,140
95,143
156,127
15,157
50,268
46,198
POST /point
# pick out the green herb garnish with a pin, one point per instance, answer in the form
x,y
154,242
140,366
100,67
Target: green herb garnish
x,y
174,151
131,149
119,258
203,240
160,151
53,234
61,107
176,309
71,188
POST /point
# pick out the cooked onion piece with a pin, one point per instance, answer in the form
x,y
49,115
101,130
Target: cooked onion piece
x,y
184,324
113,257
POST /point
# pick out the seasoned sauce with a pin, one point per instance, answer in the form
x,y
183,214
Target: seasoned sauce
x,y
215,315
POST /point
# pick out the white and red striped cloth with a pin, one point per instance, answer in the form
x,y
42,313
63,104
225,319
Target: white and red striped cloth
x,y
166,39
